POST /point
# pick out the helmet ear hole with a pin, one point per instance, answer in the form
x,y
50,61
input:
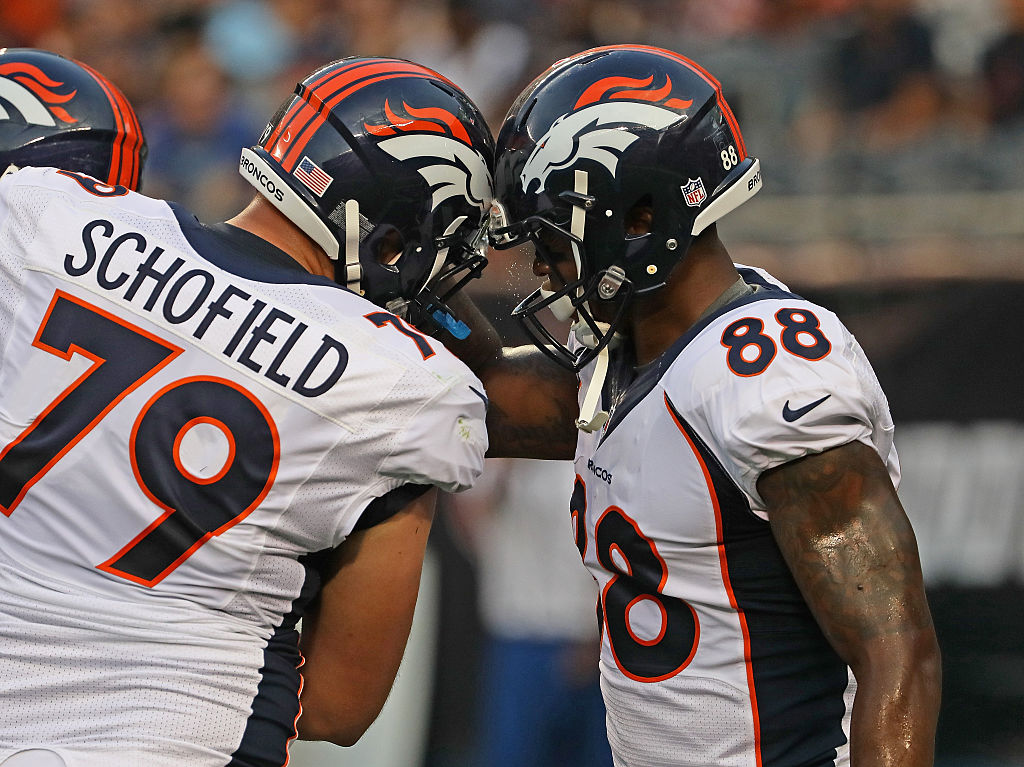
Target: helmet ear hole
x,y
388,248
638,219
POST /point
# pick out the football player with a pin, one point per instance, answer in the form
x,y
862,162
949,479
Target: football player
x,y
761,598
210,432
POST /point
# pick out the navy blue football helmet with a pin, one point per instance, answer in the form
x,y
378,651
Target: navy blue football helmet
x,y
591,139
60,113
373,155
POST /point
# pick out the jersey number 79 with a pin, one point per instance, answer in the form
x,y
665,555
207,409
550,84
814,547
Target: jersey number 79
x,y
124,356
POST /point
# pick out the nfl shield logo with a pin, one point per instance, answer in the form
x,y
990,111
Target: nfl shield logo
x,y
693,191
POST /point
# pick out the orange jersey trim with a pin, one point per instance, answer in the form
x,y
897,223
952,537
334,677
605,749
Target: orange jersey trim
x,y
726,581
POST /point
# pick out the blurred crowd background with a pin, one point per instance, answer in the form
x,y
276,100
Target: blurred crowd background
x,y
891,136
839,97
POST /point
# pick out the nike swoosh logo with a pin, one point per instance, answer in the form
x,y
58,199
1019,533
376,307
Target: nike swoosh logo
x,y
481,395
792,415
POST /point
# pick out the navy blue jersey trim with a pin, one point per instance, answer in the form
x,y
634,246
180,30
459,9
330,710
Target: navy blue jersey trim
x,y
275,708
753,277
799,681
646,380
243,253
383,508
730,496
316,564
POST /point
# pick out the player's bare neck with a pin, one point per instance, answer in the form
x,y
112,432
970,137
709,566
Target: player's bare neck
x,y
265,221
700,278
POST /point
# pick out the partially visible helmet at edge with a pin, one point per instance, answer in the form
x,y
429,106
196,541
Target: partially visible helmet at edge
x,y
61,113
378,156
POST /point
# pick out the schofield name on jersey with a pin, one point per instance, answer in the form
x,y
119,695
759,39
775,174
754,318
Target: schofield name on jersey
x,y
602,474
263,338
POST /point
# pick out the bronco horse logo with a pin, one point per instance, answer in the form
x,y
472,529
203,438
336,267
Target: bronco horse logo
x,y
598,128
436,137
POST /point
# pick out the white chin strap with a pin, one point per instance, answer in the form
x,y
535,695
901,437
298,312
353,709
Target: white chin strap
x,y
353,269
442,253
562,307
591,417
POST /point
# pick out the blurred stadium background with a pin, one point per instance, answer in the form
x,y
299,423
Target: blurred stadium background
x,y
891,136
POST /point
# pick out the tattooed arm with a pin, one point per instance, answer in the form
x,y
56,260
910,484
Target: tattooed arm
x,y
843,532
532,400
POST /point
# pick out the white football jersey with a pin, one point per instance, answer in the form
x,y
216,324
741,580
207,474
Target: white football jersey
x,y
189,423
709,654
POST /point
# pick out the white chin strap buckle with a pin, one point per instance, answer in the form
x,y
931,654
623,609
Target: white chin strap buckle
x,y
596,423
586,335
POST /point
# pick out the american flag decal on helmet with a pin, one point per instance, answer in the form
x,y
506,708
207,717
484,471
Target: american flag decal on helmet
x,y
312,176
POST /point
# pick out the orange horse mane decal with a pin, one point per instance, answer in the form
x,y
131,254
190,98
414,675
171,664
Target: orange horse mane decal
x,y
431,120
629,88
37,81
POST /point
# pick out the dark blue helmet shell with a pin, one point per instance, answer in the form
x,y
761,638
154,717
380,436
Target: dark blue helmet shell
x,y
603,132
370,152
56,112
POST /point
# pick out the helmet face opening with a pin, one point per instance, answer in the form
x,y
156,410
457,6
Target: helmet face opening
x,y
593,334
572,297
376,157
605,141
56,112
426,279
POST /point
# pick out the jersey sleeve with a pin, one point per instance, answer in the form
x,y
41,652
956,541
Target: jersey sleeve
x,y
444,444
797,407
8,184
386,506
5,186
